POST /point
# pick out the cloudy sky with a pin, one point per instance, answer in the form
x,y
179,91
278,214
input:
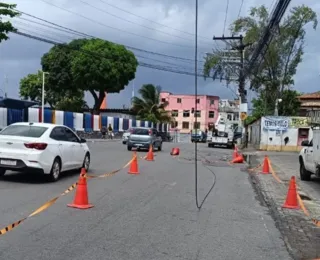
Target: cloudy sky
x,y
162,27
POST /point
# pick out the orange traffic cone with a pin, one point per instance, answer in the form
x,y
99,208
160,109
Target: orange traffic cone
x,y
235,153
266,165
134,169
238,159
150,154
81,200
175,151
292,197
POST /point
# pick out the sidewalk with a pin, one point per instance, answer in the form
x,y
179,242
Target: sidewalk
x,y
300,234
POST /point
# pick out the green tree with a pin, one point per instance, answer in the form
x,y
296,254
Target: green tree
x,y
7,27
290,105
149,107
101,67
58,62
31,88
275,73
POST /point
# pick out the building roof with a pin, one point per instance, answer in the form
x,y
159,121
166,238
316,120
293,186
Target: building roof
x,y
16,103
310,104
315,95
199,95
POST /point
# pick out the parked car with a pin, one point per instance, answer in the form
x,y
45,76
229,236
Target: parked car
x,y
309,157
198,136
125,136
39,147
142,137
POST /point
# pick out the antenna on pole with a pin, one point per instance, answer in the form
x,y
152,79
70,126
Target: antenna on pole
x,y
5,85
132,93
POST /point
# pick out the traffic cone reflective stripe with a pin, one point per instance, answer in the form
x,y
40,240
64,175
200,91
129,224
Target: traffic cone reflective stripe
x,y
81,200
266,165
150,154
292,197
134,169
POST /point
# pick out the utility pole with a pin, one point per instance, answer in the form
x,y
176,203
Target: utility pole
x,y
242,91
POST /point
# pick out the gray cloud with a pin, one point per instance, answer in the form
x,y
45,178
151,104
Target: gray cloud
x,y
20,56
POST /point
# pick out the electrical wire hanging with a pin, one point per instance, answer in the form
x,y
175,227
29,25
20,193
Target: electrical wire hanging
x,y
199,205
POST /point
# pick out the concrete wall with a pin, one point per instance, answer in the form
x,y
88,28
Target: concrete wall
x,y
282,133
254,134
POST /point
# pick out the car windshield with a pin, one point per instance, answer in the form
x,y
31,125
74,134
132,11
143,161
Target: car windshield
x,y
140,131
24,130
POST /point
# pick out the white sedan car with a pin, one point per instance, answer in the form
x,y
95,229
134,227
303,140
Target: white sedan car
x,y
40,147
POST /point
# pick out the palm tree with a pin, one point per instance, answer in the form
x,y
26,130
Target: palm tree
x,y
149,107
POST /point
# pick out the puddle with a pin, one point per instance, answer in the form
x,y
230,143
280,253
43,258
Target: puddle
x,y
304,197
247,158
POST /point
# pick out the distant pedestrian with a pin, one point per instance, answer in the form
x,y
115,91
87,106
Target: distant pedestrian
x,y
110,131
103,132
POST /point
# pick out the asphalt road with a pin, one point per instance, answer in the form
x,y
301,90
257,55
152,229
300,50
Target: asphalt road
x,y
147,217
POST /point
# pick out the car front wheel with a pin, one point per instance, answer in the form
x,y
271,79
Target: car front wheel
x,y
129,148
304,174
2,172
86,162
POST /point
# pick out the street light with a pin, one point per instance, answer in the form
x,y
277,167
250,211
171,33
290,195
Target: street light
x,y
42,99
279,100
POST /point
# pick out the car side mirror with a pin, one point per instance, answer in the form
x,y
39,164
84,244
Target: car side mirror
x,y
82,140
305,143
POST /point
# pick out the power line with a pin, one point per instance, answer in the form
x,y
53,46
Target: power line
x,y
142,64
225,18
114,28
131,22
149,20
240,9
81,34
49,37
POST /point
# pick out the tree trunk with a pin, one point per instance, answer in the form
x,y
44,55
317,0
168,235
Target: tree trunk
x,y
97,100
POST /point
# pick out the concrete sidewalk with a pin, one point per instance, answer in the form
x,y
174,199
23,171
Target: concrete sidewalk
x,y
301,235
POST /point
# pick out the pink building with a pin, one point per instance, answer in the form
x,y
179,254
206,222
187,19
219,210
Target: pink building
x,y
181,107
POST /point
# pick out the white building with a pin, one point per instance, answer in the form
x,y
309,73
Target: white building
x,y
228,111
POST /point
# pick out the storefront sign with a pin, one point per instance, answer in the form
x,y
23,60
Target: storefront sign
x,y
275,123
298,122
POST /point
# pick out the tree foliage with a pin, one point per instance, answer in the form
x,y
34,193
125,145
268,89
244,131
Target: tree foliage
x,y
92,65
275,73
149,107
7,27
31,88
109,70
289,106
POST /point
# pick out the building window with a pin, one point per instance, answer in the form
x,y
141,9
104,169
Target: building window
x,y
211,114
185,125
211,101
174,113
163,100
198,100
178,100
174,124
197,113
229,117
196,125
186,113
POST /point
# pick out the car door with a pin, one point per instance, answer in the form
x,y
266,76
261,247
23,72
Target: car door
x,y
77,149
157,137
58,134
309,164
